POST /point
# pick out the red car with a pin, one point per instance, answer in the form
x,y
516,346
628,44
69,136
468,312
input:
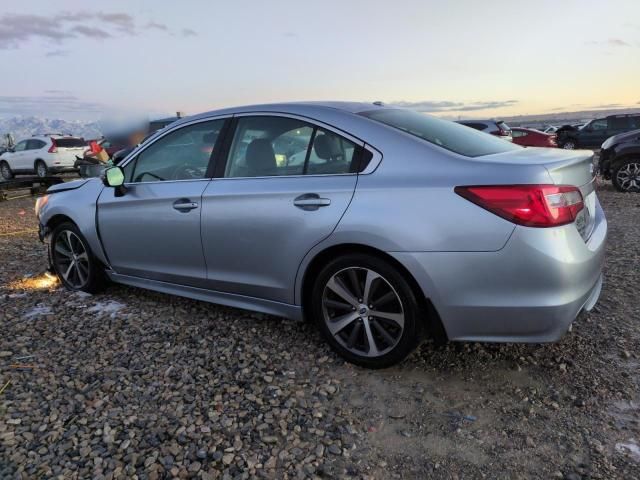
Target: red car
x,y
533,138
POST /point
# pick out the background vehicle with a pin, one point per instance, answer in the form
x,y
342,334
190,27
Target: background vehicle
x,y
111,146
620,161
550,129
528,137
42,155
396,225
597,131
494,127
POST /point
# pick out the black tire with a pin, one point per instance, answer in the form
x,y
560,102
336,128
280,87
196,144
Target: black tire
x,y
625,175
407,339
5,171
570,144
41,169
92,270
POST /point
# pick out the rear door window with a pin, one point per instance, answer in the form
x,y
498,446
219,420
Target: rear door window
x,y
619,123
271,146
35,144
448,135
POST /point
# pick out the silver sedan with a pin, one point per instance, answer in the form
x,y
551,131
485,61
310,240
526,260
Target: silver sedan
x,y
382,226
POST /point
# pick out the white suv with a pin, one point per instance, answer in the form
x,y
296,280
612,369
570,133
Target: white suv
x,y
42,155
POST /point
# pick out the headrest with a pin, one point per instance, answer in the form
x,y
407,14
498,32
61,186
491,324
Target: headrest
x,y
326,146
260,157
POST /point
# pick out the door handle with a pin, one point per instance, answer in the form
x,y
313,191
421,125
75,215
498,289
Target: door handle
x,y
311,201
184,205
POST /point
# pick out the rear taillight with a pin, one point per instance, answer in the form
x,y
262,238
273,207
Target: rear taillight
x,y
54,147
528,205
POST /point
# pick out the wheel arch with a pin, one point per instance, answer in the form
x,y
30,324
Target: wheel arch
x,y
624,156
433,323
58,219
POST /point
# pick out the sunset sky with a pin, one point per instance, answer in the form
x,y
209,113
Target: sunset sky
x,y
77,59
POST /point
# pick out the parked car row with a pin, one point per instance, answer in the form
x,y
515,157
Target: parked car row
x,y
42,154
595,132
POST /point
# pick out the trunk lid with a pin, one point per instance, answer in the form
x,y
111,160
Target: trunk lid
x,y
565,167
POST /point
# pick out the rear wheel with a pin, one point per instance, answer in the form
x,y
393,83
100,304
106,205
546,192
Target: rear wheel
x,y
41,169
5,171
366,310
73,262
626,176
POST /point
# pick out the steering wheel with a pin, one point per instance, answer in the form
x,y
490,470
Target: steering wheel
x,y
185,172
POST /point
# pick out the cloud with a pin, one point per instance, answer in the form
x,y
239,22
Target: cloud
x,y
36,105
17,29
57,53
91,32
609,105
123,21
449,106
611,42
156,26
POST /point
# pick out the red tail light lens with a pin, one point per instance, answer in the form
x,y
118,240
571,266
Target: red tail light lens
x,y
54,147
528,205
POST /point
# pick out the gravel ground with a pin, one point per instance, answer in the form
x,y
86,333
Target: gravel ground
x,y
135,384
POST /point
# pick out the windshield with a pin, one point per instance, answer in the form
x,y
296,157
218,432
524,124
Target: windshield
x,y
450,135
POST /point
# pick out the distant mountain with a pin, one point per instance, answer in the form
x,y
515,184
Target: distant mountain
x,y
23,127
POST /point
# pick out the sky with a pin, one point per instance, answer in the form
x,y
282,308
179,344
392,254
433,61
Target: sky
x,y
77,59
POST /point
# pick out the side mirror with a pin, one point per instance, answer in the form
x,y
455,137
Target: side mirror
x,y
114,177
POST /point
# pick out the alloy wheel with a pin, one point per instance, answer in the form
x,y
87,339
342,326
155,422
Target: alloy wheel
x,y
569,146
5,171
628,176
363,311
71,259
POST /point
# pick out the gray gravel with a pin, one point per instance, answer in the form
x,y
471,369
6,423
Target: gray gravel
x,y
134,383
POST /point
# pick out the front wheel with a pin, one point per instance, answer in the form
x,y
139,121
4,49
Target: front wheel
x,y
626,176
569,145
41,169
73,261
366,310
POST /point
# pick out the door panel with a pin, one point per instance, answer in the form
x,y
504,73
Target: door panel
x,y
255,236
153,231
18,159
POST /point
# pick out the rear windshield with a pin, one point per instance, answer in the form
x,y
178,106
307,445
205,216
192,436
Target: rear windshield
x,y
450,135
503,126
70,142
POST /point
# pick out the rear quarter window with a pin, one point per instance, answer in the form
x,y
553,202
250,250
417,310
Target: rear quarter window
x,y
448,135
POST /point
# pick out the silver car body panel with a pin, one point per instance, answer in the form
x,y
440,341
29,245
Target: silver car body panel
x,y
248,246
